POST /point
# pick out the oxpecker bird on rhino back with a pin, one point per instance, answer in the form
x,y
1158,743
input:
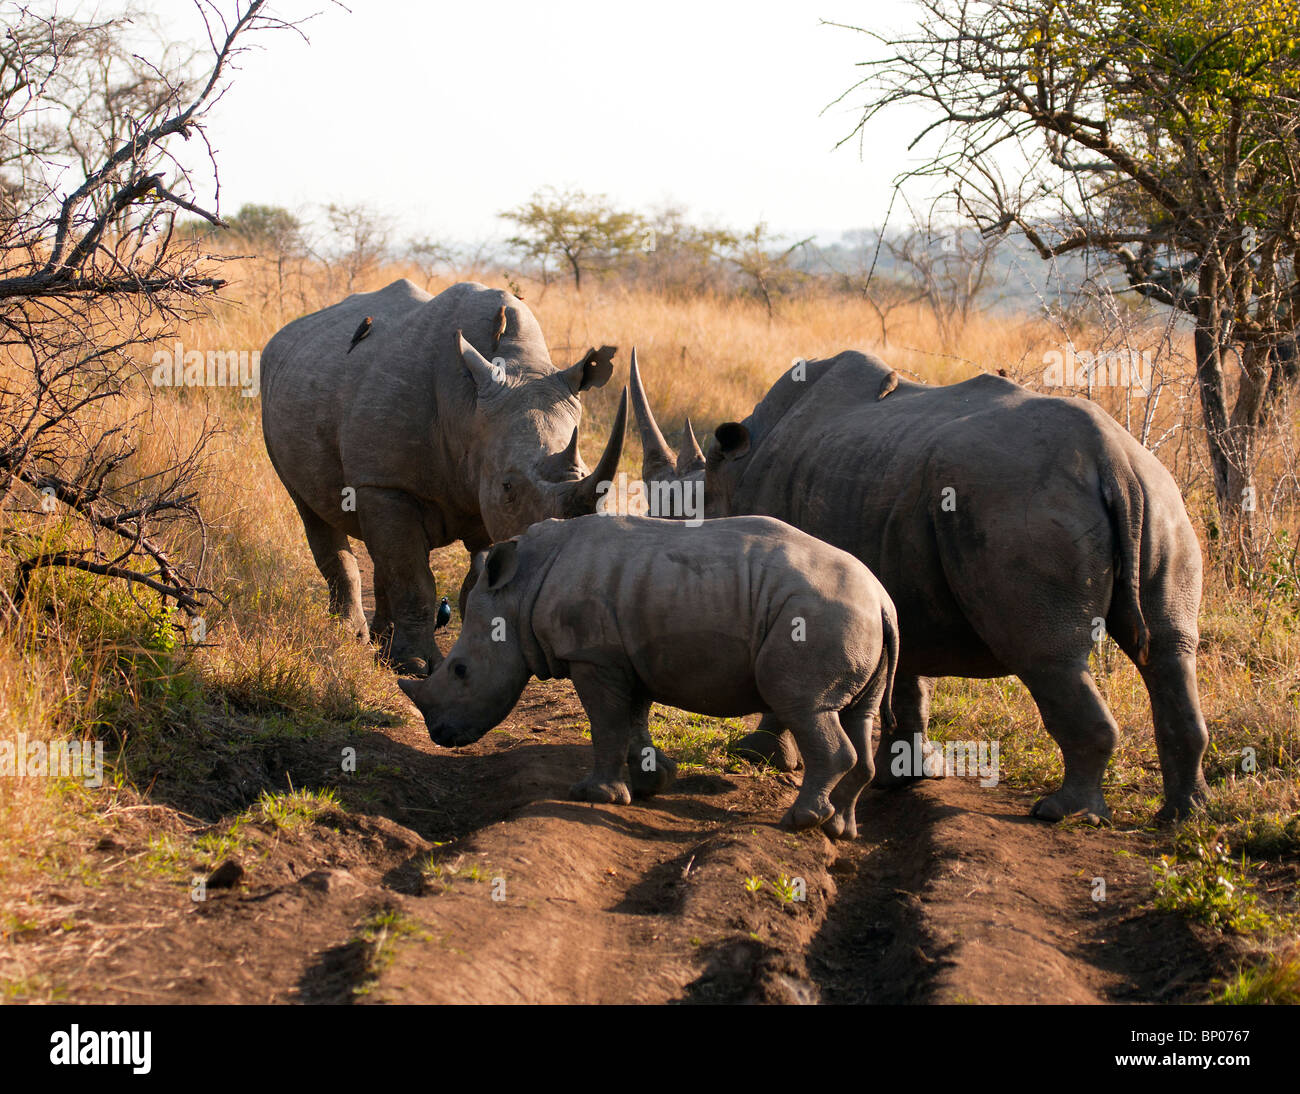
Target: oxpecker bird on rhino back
x,y
410,439
1012,530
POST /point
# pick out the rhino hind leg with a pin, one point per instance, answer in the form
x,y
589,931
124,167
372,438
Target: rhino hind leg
x,y
611,710
844,798
770,744
828,755
1078,719
1181,736
338,565
650,771
394,531
911,704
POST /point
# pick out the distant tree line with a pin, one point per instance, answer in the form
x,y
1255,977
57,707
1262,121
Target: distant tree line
x,y
573,236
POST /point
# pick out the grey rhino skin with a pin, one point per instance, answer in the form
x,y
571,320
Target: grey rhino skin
x,y
438,443
731,617
1006,526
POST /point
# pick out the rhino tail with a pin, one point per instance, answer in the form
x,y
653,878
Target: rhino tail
x,y
1125,502
890,630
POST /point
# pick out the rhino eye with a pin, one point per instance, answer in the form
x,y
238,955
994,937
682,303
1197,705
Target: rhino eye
x,y
508,489
459,670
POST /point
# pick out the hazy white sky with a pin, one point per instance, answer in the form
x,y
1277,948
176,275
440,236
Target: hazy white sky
x,y
443,114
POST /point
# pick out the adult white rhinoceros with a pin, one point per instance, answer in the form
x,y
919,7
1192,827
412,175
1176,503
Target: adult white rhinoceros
x,y
385,423
1007,526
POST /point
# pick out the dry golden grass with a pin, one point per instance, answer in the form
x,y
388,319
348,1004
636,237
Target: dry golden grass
x,y
711,357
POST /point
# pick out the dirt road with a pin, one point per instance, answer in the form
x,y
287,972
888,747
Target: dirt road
x,y
467,877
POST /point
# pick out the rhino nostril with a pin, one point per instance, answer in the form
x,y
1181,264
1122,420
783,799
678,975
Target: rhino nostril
x,y
459,670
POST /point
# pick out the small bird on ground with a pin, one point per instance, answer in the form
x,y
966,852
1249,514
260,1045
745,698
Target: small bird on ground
x,y
444,614
887,385
362,331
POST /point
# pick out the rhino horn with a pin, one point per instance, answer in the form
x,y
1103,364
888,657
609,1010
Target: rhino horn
x,y
586,492
481,370
689,456
657,461
569,457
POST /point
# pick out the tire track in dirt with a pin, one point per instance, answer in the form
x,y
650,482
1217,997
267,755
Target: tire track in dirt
x,y
968,899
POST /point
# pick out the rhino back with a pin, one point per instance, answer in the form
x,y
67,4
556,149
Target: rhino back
x,y
962,499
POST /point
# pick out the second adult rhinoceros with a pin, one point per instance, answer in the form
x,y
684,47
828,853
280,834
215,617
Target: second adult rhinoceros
x,y
1007,526
386,423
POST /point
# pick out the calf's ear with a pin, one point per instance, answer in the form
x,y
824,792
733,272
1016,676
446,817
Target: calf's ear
x,y
594,370
501,563
733,440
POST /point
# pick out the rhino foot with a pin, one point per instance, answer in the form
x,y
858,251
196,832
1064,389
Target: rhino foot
x,y
592,789
799,817
1173,811
646,784
1069,803
886,778
841,826
410,666
777,750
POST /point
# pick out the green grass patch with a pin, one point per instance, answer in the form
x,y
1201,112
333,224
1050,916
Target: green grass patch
x,y
294,808
1275,980
379,934
1204,882
696,741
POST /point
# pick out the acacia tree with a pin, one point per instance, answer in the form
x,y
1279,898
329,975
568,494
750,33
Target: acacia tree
x,y
1159,135
678,256
949,269
360,236
91,270
582,230
758,257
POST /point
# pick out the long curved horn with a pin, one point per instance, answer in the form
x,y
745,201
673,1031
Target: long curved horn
x,y
689,456
657,463
586,491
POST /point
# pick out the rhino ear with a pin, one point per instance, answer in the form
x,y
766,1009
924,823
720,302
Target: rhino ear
x,y
733,440
501,563
487,375
594,370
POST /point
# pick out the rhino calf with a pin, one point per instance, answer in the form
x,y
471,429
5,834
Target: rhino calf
x,y
736,616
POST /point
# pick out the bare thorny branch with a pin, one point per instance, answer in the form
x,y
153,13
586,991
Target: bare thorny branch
x,y
89,275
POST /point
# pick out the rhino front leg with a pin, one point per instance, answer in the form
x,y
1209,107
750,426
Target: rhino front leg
x,y
827,755
650,771
771,743
607,698
911,703
394,530
381,628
